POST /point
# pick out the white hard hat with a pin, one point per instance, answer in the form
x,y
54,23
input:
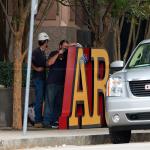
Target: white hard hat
x,y
43,36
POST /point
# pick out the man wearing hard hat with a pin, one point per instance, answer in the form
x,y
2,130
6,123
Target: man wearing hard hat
x,y
39,76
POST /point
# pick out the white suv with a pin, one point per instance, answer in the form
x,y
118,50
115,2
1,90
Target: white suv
x,y
128,95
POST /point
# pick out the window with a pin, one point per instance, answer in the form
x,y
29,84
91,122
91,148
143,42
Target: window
x,y
141,57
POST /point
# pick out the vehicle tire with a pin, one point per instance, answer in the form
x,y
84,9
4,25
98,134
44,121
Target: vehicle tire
x,y
118,137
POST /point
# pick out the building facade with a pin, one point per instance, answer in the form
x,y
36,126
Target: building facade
x,y
59,21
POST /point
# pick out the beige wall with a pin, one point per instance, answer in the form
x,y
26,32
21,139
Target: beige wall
x,y
57,34
60,15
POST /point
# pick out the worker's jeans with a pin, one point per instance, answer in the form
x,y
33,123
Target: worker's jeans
x,y
39,98
53,103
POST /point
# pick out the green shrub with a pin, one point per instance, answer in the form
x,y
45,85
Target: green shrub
x,y
6,74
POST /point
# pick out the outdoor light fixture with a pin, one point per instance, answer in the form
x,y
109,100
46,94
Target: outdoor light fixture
x,y
116,118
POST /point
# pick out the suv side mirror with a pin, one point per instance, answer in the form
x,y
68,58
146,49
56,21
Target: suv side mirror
x,y
117,64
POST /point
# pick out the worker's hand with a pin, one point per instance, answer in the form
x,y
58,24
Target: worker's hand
x,y
75,44
72,44
47,49
61,51
39,69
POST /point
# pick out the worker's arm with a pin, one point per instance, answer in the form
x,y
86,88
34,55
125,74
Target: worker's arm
x,y
38,69
52,59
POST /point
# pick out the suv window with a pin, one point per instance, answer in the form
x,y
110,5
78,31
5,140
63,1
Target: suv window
x,y
141,57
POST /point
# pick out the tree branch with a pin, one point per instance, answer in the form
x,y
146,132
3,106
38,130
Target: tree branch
x,y
80,17
121,23
107,15
137,33
21,6
24,55
66,3
129,40
108,9
27,7
40,4
24,16
7,18
45,13
88,14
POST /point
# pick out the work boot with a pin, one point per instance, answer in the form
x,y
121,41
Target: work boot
x,y
38,125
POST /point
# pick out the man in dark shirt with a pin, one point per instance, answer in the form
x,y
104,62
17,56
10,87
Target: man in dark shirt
x,y
55,85
39,76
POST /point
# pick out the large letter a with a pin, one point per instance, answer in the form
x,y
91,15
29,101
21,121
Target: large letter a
x,y
80,96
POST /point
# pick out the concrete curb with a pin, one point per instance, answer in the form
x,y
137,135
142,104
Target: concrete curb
x,y
54,141
12,144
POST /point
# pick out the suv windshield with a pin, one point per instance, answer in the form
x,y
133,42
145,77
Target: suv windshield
x,y
141,57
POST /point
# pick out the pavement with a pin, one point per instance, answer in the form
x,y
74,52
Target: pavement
x,y
11,139
129,146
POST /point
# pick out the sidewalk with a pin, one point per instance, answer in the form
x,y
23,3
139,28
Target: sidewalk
x,y
10,139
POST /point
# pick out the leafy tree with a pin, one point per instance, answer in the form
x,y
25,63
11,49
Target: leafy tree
x,y
19,29
106,15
